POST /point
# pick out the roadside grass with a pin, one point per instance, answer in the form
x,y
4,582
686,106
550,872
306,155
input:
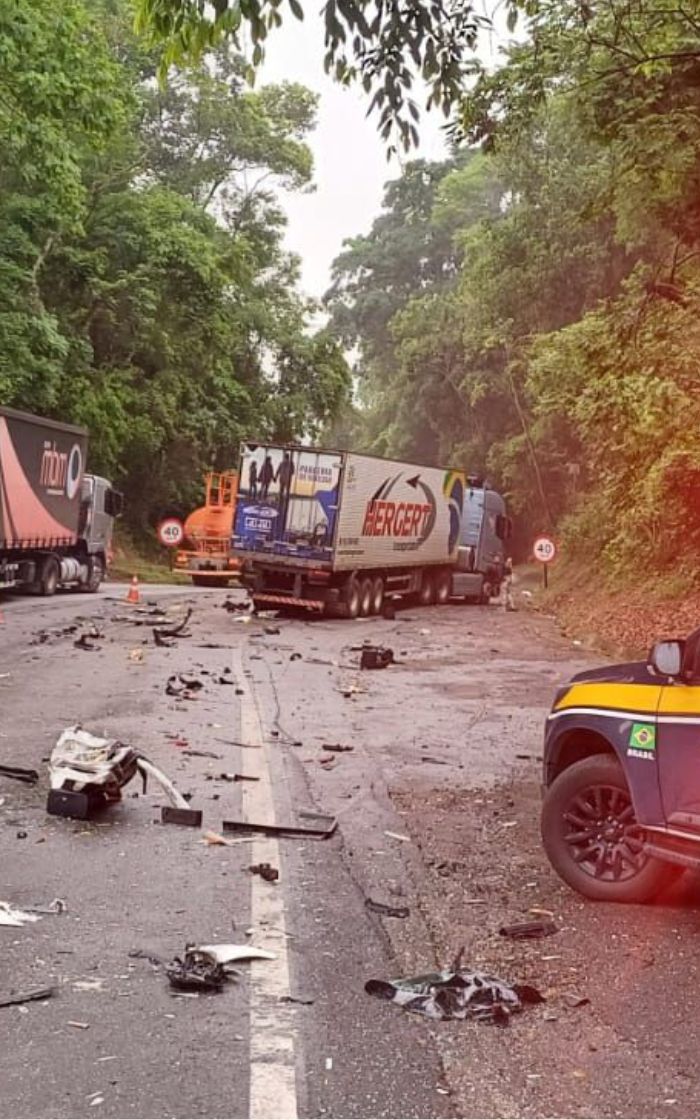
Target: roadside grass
x,y
150,565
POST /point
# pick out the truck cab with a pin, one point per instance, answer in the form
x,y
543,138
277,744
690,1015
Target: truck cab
x,y
621,805
481,554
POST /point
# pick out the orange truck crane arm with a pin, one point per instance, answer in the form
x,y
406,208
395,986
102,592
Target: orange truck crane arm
x,y
206,551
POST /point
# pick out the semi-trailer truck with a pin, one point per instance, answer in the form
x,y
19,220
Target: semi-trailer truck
x,y
336,533
55,520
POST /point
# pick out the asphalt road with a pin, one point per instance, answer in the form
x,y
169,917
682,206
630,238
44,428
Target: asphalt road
x,y
435,813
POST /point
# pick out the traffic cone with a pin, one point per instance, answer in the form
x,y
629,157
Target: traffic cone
x,y
133,594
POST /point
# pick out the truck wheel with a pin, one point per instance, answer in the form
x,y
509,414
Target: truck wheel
x,y
350,606
365,598
426,595
377,595
50,575
443,588
96,571
592,838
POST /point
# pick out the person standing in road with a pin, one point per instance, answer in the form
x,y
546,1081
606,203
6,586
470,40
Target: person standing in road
x,y
507,600
267,474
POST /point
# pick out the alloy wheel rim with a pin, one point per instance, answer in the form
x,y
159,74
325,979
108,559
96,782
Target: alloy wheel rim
x,y
602,834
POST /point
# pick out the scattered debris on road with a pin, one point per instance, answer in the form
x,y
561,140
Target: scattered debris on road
x,y
387,911
88,638
224,777
201,754
322,832
12,916
457,993
196,972
20,774
265,871
173,814
27,997
214,839
226,954
397,836
376,657
166,637
526,931
87,772
338,748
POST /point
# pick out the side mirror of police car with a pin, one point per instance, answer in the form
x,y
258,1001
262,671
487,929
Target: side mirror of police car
x,y
666,658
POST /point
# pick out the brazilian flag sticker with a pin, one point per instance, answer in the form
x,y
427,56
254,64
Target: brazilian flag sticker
x,y
643,737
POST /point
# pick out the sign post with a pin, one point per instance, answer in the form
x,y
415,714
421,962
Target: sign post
x,y
545,550
171,533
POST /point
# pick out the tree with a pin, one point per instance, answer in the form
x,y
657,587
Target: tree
x,y
385,45
146,291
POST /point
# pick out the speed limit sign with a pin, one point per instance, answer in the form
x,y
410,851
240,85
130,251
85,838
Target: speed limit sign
x,y
171,532
544,549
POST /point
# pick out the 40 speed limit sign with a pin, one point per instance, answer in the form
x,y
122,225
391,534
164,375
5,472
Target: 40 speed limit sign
x,y
171,532
544,549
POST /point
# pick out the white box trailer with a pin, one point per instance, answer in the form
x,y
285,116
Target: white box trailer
x,y
338,532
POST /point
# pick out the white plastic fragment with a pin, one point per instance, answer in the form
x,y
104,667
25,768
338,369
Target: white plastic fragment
x,y
226,954
12,916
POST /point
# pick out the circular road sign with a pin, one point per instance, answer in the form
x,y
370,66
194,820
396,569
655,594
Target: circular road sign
x,y
544,549
171,532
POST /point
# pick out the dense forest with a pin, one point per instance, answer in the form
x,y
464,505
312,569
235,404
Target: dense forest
x,y
144,291
529,308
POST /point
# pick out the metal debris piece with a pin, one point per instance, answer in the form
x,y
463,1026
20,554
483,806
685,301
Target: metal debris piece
x,y
376,657
321,833
20,774
338,748
265,871
163,637
196,972
527,931
27,997
387,911
171,814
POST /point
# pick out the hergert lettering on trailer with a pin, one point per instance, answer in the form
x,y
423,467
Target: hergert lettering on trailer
x,y
395,519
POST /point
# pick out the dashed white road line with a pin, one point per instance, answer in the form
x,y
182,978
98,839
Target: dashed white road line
x,y
273,1081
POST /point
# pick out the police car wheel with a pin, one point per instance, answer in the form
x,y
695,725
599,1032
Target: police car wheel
x,y
592,837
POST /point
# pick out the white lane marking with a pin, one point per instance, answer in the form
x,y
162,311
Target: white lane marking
x,y
273,1088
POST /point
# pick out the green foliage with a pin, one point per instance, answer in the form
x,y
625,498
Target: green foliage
x,y
561,354
383,46
144,290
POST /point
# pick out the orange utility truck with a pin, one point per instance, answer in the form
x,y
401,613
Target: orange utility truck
x,y
206,550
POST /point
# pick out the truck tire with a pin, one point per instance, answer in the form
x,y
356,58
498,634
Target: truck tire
x,y
592,838
349,605
49,577
365,598
96,571
443,588
426,595
377,595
